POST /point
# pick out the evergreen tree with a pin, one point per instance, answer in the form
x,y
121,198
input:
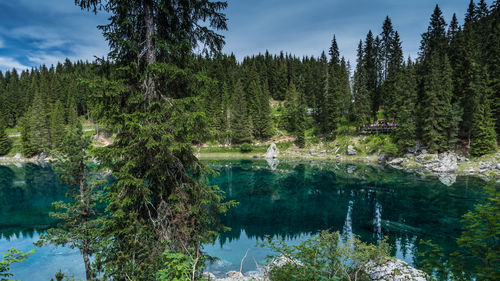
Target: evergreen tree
x,y
483,137
361,97
406,132
158,201
436,104
5,143
57,130
78,224
240,125
370,63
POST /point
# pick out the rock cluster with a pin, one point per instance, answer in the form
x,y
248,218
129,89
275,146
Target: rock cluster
x,y
394,270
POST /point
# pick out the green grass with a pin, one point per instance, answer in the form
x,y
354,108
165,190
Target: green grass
x,y
257,149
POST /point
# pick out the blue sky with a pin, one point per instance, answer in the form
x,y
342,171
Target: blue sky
x,y
34,32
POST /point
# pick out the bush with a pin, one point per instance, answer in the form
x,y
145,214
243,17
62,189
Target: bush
x,y
326,256
246,147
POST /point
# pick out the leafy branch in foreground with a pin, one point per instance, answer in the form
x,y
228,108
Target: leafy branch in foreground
x,y
12,256
325,256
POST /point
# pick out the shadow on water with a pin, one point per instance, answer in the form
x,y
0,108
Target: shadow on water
x,y
297,198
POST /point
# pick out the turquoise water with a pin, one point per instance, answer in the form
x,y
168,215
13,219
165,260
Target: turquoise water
x,y
289,200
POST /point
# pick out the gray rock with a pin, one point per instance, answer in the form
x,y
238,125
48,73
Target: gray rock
x,y
447,163
424,151
382,158
498,165
351,150
312,152
42,157
462,159
17,156
396,161
485,165
209,276
272,151
394,270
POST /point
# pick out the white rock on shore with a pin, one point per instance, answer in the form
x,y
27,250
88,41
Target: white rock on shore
x,y
272,152
394,270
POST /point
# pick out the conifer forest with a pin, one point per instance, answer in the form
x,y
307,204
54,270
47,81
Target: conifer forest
x,y
144,205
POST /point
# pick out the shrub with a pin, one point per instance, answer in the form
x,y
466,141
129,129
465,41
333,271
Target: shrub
x,y
246,147
326,256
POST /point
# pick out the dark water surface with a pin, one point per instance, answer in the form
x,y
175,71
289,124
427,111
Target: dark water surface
x,y
289,200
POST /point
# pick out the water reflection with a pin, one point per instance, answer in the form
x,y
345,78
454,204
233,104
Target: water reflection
x,y
298,198
285,199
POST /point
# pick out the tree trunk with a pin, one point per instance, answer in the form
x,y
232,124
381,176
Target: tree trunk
x,y
149,84
84,217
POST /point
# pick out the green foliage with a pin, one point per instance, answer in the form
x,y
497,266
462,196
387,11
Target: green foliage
x,y
178,267
246,147
57,122
5,143
77,218
481,236
12,256
326,256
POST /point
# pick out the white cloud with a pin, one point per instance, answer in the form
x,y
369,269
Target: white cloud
x,y
7,63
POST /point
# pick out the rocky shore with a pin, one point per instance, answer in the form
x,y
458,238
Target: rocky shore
x,y
392,270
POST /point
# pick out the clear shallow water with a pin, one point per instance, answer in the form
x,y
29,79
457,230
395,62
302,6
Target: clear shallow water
x,y
289,199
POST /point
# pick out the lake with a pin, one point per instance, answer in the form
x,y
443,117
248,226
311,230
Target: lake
x,y
288,199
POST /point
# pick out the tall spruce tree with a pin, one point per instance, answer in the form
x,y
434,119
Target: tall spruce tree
x,y
57,125
158,201
437,87
361,95
5,143
77,218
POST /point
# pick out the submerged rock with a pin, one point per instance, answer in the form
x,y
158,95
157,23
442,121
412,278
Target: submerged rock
x,y
272,151
394,270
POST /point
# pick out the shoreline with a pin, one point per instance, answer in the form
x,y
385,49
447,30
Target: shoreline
x,y
487,168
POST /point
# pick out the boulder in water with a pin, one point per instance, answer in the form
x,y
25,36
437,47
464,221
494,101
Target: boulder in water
x,y
272,151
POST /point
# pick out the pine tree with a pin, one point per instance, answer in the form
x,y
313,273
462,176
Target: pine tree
x,y
483,135
153,102
361,95
78,224
406,132
436,103
35,128
57,130
370,63
240,125
290,110
5,143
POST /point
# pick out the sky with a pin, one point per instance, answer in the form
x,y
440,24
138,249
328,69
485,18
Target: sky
x,y
35,32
